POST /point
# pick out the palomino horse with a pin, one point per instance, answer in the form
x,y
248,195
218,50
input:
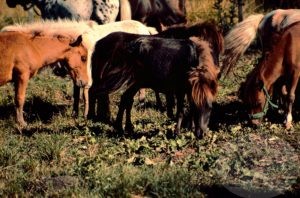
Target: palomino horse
x,y
173,66
282,60
267,27
91,32
24,54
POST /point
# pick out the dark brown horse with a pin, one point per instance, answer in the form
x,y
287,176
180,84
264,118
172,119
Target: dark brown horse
x,y
172,66
22,55
281,61
158,12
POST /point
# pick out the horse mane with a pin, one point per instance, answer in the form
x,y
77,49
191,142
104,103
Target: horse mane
x,y
203,77
110,66
66,27
206,30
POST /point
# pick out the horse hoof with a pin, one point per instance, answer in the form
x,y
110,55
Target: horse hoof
x,y
21,126
288,126
129,128
199,135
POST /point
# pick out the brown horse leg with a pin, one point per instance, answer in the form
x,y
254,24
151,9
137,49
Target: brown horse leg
x,y
76,98
180,111
20,92
291,99
126,104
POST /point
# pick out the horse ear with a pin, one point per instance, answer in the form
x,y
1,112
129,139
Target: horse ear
x,y
11,3
77,42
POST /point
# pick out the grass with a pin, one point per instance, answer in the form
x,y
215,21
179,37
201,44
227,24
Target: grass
x,y
59,156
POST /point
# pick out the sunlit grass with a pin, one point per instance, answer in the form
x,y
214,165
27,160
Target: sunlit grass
x,y
61,156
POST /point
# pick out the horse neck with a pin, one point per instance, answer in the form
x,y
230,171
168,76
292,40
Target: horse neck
x,y
271,70
51,50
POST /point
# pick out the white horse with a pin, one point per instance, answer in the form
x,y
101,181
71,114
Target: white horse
x,y
91,32
244,33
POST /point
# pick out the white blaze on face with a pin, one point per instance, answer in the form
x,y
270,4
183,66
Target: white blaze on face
x,y
89,44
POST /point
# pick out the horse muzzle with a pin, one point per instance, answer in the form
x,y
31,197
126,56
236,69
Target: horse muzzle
x,y
82,83
255,122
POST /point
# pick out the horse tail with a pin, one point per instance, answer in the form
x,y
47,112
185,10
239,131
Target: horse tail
x,y
238,40
125,10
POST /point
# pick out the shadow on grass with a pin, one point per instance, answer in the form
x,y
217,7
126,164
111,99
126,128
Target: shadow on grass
x,y
35,109
223,192
226,114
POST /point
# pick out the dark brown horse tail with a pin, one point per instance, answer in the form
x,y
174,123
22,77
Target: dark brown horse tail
x,y
204,85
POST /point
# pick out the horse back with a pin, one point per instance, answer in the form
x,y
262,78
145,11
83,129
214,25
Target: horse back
x,y
15,54
161,62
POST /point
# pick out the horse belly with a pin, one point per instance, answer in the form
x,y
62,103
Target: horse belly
x,y
6,71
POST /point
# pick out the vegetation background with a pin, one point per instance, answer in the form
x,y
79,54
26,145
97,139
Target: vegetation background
x,y
58,156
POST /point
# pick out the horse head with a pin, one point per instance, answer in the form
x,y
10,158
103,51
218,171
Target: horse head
x,y
76,59
168,12
255,96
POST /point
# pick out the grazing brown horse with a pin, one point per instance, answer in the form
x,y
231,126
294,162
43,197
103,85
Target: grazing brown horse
x,y
264,27
173,66
282,60
22,55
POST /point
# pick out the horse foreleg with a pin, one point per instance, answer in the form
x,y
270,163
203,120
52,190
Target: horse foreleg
x,y
92,104
170,104
86,102
20,92
125,10
180,111
76,98
103,108
158,101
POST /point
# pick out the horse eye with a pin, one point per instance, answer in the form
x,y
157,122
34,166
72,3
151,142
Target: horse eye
x,y
83,58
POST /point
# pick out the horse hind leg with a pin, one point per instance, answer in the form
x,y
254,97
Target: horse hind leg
x,y
126,104
291,99
180,112
20,91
